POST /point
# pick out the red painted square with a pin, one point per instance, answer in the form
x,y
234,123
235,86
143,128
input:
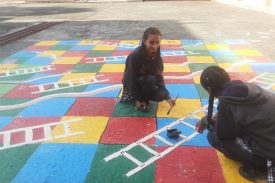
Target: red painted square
x,y
61,68
257,59
171,47
126,130
189,164
244,76
75,53
113,78
23,91
121,52
38,47
92,107
174,59
178,75
38,133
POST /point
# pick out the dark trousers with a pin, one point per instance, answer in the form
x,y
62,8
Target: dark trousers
x,y
149,89
235,151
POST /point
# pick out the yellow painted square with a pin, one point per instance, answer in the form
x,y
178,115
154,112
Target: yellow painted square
x,y
231,169
168,67
217,46
47,43
104,47
112,68
246,52
183,107
134,42
51,53
74,77
7,67
170,42
238,68
67,60
88,42
200,59
197,79
92,128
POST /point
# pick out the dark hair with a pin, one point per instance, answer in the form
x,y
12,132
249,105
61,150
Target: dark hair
x,y
150,31
212,79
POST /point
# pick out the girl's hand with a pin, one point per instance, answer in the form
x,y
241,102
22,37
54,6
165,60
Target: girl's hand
x,y
171,102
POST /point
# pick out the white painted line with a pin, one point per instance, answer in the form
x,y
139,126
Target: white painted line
x,y
62,95
148,149
163,140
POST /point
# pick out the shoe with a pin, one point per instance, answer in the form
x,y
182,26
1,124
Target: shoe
x,y
253,174
173,133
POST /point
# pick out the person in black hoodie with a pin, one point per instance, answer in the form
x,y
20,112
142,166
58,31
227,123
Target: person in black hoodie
x,y
142,79
243,129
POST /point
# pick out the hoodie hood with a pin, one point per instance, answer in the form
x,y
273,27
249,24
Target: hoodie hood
x,y
238,92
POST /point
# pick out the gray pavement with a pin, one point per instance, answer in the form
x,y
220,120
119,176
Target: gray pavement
x,y
204,20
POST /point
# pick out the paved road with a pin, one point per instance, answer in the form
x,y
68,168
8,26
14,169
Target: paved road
x,y
126,20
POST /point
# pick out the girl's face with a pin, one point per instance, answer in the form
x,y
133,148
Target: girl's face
x,y
152,44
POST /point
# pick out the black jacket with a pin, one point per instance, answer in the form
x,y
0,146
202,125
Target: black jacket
x,y
246,109
136,66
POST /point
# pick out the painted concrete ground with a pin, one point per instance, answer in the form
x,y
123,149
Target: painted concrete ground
x,y
60,116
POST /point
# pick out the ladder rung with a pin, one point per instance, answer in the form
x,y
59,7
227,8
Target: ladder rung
x,y
163,140
133,159
148,149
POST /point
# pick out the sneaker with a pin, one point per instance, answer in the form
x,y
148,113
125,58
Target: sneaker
x,y
253,174
173,133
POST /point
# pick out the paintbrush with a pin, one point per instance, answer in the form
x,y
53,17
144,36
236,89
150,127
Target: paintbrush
x,y
168,112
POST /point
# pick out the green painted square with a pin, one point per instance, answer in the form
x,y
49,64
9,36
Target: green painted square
x,y
229,59
7,102
128,109
199,66
201,91
5,88
19,78
195,47
200,53
61,47
116,169
13,159
84,68
141,154
76,89
100,53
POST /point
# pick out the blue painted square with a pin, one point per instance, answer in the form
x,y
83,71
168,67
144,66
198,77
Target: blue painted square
x,y
82,47
109,94
198,140
25,53
190,42
51,107
58,163
222,53
235,41
183,90
4,121
68,42
116,60
39,61
260,67
42,78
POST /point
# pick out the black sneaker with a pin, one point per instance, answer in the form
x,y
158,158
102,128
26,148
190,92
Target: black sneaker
x,y
253,174
173,133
